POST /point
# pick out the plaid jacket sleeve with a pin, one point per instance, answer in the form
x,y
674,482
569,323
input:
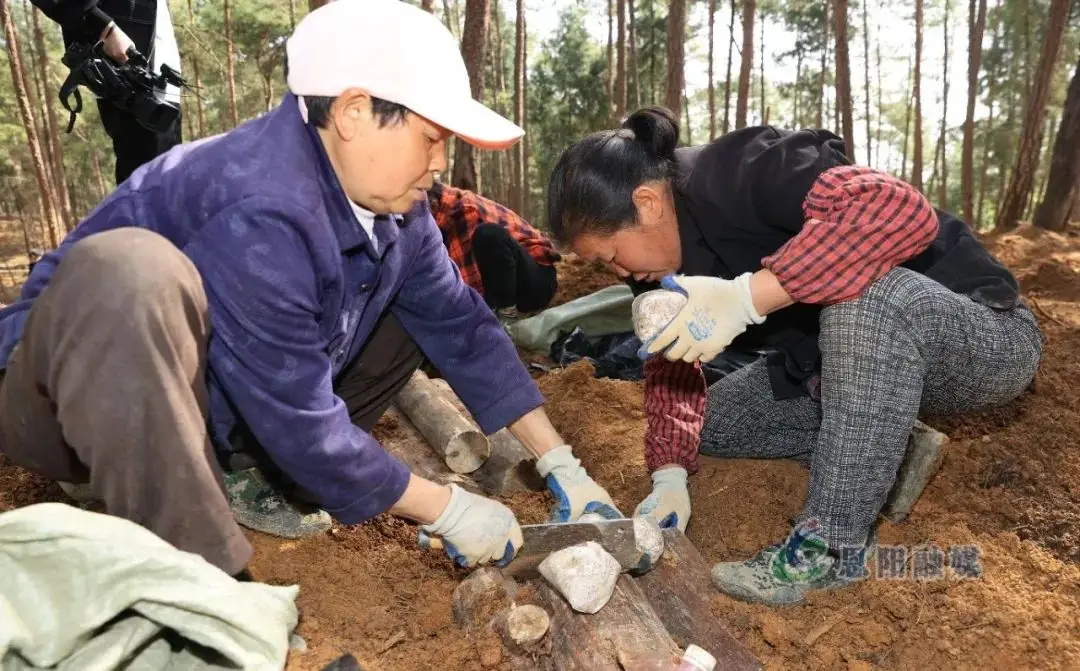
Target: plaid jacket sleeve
x,y
860,223
675,395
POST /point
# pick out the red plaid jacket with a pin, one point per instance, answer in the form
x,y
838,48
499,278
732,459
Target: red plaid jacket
x,y
458,212
859,224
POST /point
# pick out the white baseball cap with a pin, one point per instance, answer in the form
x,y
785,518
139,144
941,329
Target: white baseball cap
x,y
396,52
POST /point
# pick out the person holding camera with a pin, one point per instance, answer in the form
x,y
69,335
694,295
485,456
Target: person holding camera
x,y
118,26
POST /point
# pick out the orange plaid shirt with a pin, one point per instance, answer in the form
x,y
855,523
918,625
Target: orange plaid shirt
x,y
458,213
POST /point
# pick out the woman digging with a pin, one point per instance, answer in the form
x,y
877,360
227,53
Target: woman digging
x,y
867,305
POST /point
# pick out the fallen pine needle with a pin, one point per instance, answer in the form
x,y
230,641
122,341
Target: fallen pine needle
x,y
821,630
392,641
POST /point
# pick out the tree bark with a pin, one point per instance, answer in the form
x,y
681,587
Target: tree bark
x,y
50,217
843,77
866,78
675,75
518,151
917,152
909,89
880,88
609,80
620,63
824,68
426,5
976,28
634,67
712,78
473,42
1053,212
749,8
764,115
56,154
939,149
727,78
1016,195
315,4
194,58
230,65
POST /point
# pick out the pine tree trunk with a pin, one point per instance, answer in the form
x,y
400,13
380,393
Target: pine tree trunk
x,y
194,58
426,5
880,88
518,151
230,63
917,152
1064,175
620,64
1016,195
727,79
943,192
843,77
473,41
52,130
761,69
609,79
35,94
1046,152
824,69
652,52
675,75
315,4
712,77
633,69
976,28
866,79
742,99
909,89
50,216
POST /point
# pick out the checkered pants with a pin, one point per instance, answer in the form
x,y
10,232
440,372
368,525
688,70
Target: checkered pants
x,y
908,345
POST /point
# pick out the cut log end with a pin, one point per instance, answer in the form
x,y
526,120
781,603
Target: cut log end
x,y
522,627
467,451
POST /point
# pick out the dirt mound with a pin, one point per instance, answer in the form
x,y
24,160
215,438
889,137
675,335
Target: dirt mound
x,y
1009,486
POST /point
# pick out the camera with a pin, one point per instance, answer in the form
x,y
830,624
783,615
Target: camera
x,y
129,86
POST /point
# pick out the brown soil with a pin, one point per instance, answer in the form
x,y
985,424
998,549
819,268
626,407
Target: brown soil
x,y
1010,484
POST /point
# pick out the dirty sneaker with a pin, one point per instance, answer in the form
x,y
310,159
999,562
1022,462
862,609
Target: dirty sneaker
x,y
782,574
257,505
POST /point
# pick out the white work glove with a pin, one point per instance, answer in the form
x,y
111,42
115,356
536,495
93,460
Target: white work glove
x,y
574,491
669,503
716,312
475,530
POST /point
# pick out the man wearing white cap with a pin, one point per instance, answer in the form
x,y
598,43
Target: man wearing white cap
x,y
261,296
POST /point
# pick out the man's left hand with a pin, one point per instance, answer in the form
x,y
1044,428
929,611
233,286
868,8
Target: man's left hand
x,y
575,492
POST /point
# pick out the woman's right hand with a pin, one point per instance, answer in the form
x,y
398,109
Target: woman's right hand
x,y
475,530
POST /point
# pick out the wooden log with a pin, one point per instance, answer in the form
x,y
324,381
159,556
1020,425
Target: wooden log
x,y
625,635
462,446
925,452
511,468
680,590
399,437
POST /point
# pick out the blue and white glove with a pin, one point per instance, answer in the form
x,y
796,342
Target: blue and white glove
x,y
716,312
575,492
475,530
669,503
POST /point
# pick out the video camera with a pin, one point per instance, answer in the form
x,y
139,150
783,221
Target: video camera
x,y
130,86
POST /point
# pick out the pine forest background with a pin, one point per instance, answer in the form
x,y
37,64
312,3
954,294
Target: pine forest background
x,y
977,103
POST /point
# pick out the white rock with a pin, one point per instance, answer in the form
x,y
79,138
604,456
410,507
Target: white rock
x,y
653,310
648,538
584,574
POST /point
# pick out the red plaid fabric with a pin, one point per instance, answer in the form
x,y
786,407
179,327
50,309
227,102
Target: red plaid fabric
x,y
458,212
860,224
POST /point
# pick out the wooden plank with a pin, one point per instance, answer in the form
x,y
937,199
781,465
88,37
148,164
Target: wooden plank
x,y
680,590
625,635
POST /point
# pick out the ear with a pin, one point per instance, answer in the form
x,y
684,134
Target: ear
x,y
649,202
350,113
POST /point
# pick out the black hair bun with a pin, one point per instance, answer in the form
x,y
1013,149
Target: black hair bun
x,y
657,128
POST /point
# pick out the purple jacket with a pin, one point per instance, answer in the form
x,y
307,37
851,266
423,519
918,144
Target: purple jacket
x,y
295,288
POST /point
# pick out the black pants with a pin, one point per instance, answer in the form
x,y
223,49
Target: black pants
x,y
511,277
133,143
